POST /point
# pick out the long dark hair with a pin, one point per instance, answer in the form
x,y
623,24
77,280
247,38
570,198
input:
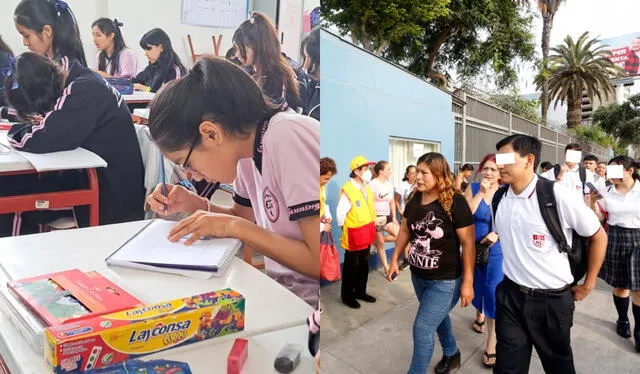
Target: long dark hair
x,y
4,47
406,172
168,58
627,163
311,44
40,84
215,90
272,69
36,14
108,27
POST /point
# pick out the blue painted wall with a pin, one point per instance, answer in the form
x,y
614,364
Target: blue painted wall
x,y
365,100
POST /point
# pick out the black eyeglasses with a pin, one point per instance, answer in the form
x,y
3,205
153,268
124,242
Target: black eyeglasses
x,y
184,165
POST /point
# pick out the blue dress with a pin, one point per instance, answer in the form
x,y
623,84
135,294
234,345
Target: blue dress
x,y
486,278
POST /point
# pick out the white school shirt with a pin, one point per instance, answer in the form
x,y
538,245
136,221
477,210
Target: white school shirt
x,y
531,256
622,210
404,190
572,181
344,204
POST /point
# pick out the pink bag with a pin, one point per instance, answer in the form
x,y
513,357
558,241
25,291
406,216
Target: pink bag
x,y
329,258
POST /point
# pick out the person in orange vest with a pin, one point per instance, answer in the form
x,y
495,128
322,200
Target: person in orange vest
x,y
356,215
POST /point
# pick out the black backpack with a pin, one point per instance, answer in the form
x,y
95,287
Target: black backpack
x,y
582,172
578,252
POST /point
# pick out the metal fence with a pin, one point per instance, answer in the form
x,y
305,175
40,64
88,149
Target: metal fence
x,y
480,125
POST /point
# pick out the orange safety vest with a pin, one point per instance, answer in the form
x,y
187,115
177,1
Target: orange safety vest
x,y
359,230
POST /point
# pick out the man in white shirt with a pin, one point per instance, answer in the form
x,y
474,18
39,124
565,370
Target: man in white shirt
x,y
568,174
535,302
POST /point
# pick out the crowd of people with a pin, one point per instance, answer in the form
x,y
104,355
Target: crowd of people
x,y
488,240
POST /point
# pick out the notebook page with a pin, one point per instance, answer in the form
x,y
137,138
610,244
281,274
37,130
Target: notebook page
x,y
152,246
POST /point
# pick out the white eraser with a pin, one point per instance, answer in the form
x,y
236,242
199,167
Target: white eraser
x,y
615,171
505,158
573,156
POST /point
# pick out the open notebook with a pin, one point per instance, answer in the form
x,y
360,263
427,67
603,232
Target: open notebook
x,y
150,249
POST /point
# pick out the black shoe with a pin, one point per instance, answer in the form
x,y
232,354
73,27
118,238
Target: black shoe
x,y
448,363
366,297
404,265
623,328
351,304
637,339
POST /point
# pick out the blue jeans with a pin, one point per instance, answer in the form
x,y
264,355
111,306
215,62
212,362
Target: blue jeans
x,y
437,298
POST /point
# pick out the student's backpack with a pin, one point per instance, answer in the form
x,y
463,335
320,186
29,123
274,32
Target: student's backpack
x,y
582,172
578,252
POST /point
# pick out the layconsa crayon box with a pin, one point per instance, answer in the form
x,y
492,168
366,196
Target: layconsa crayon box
x,y
117,337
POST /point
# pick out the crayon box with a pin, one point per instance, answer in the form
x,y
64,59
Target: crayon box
x,y
117,337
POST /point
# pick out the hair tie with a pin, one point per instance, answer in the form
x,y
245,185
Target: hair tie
x,y
252,19
117,23
61,5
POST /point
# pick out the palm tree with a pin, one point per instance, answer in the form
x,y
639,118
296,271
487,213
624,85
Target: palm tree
x,y
548,9
576,67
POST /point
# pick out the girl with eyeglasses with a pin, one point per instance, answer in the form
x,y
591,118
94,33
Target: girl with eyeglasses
x,y
217,124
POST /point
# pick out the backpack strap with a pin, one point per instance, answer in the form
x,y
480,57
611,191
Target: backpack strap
x,y
497,196
582,172
549,211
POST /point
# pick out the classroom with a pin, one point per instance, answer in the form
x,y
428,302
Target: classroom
x,y
150,218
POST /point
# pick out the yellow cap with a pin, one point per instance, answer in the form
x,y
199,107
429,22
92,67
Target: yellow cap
x,y
359,161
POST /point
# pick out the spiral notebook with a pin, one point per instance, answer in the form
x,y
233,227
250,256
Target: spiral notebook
x,y
150,249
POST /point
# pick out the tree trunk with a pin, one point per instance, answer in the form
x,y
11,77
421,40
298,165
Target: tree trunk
x,y
432,53
574,108
547,23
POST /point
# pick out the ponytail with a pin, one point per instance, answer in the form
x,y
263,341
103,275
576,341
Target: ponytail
x,y
108,27
36,14
378,167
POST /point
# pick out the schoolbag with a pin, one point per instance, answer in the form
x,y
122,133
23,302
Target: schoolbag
x,y
578,252
582,172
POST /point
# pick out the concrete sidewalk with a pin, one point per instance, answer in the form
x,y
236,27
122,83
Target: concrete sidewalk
x,y
377,338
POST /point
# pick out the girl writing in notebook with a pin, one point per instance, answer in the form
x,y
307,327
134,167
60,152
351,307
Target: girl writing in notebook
x,y
49,28
114,59
64,110
164,63
218,126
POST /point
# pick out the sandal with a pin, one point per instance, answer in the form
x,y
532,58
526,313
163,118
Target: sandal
x,y
480,325
489,357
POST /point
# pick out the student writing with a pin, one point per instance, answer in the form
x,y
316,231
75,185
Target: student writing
x,y
65,110
114,58
164,63
49,28
216,124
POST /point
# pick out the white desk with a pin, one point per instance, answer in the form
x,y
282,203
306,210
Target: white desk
x,y
11,161
269,306
139,97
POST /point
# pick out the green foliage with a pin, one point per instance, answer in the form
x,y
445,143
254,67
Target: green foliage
x,y
513,102
376,23
621,121
595,134
471,37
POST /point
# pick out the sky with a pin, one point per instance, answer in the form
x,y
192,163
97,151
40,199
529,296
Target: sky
x,y
605,19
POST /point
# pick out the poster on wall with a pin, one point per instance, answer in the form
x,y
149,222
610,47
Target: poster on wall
x,y
227,14
625,52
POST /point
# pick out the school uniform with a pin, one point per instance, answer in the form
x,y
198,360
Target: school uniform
x,y
92,115
534,303
280,184
572,181
127,64
621,267
4,64
152,77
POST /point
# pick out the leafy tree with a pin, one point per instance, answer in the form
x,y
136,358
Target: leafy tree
x,y
515,103
375,23
621,121
476,37
575,67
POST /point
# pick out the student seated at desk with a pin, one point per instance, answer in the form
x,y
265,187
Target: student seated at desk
x,y
5,56
66,110
217,125
114,59
49,29
164,63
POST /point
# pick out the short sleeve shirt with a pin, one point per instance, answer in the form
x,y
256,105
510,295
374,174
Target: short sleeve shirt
x,y
622,210
434,252
382,196
280,183
572,181
404,190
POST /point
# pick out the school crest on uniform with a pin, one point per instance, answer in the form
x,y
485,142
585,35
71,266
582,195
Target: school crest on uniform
x,y
270,203
538,240
358,204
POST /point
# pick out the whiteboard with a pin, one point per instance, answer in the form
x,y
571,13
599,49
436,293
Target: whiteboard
x,y
227,14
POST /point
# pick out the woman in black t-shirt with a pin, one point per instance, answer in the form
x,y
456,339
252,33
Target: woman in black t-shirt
x,y
437,222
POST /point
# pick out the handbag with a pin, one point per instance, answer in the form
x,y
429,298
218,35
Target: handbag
x,y
122,85
329,258
483,250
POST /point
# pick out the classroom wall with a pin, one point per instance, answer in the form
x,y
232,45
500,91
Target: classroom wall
x,y
371,100
140,16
